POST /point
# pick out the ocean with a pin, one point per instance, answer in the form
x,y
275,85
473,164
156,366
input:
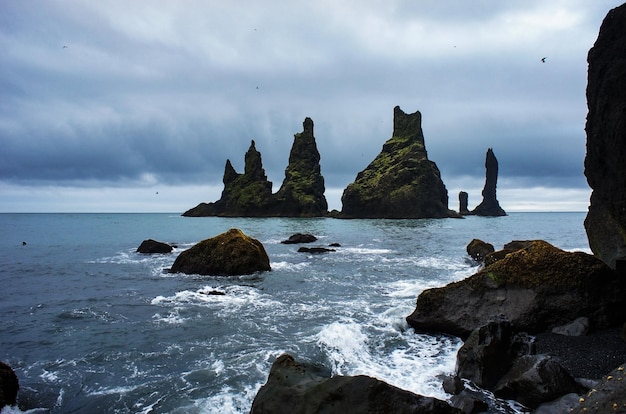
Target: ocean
x,y
91,326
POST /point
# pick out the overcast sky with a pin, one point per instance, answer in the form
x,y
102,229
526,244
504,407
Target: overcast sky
x,y
104,104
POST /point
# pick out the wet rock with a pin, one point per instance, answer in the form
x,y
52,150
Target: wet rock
x,y
151,246
605,161
314,250
490,205
293,387
578,327
401,182
536,289
9,385
230,253
300,238
479,249
608,396
535,379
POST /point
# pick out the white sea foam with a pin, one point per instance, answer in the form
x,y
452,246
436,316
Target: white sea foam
x,y
290,266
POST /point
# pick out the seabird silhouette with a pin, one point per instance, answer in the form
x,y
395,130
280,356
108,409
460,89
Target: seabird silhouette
x,y
64,47
543,59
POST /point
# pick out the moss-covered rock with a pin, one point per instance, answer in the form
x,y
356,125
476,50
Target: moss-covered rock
x,y
536,288
250,194
228,254
401,182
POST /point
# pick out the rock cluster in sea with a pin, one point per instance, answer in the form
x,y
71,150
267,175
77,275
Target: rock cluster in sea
x,y
250,194
605,161
489,207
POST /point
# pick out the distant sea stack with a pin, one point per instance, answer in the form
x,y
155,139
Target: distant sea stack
x,y
250,194
302,192
401,182
490,206
605,161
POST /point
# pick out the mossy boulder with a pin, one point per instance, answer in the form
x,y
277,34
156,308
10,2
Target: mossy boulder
x,y
228,254
536,288
294,387
401,182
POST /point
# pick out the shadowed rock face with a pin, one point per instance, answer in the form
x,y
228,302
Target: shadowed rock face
x,y
401,182
605,161
250,194
293,387
490,205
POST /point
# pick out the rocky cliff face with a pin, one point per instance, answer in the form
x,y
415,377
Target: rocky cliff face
x,y
401,182
302,192
250,194
490,205
605,162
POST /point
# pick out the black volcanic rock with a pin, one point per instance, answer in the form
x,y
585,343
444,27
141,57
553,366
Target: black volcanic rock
x,y
401,182
250,194
151,246
605,161
9,385
293,387
227,254
300,238
490,205
247,194
302,191
463,200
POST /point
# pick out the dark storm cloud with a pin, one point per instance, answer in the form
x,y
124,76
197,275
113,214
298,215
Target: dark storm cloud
x,y
117,92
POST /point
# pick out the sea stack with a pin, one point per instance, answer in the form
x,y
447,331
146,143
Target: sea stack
x,y
401,182
490,206
250,194
605,161
302,191
463,200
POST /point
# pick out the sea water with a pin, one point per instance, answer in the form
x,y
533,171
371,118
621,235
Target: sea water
x,y
91,326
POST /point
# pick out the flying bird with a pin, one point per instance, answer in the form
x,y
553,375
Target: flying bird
x,y
64,47
543,59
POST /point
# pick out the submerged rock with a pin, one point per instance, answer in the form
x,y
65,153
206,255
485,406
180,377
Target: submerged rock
x,y
300,238
228,254
536,288
293,387
401,182
151,246
605,161
490,206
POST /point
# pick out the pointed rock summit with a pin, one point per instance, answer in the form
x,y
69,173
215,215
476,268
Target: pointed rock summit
x,y
401,182
250,194
490,206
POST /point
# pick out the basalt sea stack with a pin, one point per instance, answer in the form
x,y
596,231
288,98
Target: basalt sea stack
x,y
401,182
490,205
605,162
250,194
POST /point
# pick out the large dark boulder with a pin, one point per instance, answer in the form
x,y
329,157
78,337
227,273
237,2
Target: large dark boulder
x,y
300,238
536,289
479,249
9,385
228,254
490,205
608,396
605,161
536,379
294,388
401,182
151,246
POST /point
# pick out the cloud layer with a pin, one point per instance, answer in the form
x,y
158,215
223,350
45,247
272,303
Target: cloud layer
x,y
148,95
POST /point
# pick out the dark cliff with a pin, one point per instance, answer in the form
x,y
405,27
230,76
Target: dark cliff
x,y
605,161
401,182
490,205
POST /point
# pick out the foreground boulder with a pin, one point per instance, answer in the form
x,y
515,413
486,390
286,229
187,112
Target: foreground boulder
x,y
401,182
229,254
150,246
605,161
608,396
293,387
536,289
9,385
